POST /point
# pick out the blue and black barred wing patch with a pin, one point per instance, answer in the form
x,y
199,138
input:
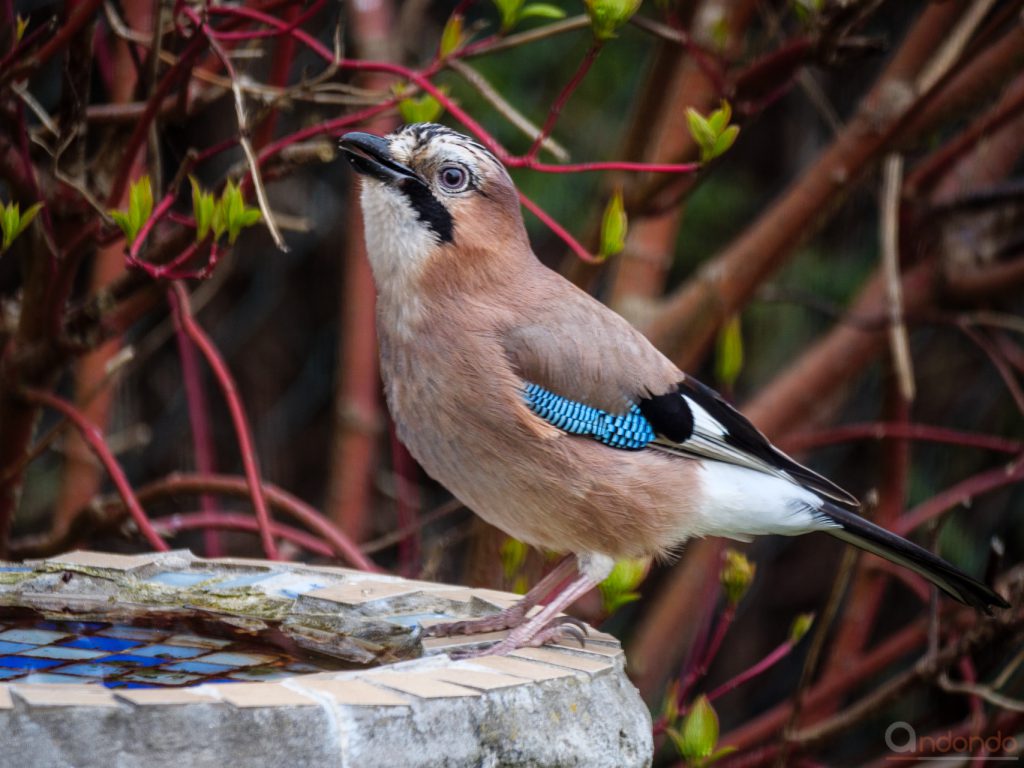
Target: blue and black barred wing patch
x,y
628,431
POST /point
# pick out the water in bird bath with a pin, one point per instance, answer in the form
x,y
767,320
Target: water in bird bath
x,y
157,650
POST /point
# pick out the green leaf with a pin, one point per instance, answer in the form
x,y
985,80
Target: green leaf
x,y
251,216
140,203
606,16
720,118
203,206
620,587
712,134
509,12
27,217
219,220
122,220
541,11
21,26
729,352
801,625
235,214
700,731
451,37
614,225
140,208
13,222
725,140
701,131
513,557
425,109
736,576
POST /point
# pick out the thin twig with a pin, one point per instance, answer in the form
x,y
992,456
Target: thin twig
x,y
530,36
953,46
892,182
243,130
510,113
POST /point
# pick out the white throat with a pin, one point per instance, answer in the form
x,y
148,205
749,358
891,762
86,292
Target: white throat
x,y
398,245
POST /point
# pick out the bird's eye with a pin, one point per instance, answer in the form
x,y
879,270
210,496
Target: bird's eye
x,y
453,178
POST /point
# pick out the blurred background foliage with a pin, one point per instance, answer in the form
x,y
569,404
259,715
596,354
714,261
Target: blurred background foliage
x,y
282,322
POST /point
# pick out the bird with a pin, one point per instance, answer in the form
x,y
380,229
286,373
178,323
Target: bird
x,y
547,413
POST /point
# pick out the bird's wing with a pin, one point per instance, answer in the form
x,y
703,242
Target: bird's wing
x,y
565,341
694,419
589,372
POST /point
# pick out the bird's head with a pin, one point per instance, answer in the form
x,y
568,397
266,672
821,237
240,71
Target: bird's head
x,y
431,195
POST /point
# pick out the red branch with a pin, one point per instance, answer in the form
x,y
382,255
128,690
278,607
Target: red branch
x,y
961,493
92,435
753,671
282,500
563,97
233,521
881,430
559,230
183,316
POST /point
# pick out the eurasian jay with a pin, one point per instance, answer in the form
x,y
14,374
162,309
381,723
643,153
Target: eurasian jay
x,y
545,412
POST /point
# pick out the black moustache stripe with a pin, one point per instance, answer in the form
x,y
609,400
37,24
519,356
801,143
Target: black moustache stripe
x,y
429,209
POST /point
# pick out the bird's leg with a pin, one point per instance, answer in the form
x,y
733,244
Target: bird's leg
x,y
544,626
515,614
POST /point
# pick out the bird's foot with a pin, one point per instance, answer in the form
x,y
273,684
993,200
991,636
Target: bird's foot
x,y
559,629
508,618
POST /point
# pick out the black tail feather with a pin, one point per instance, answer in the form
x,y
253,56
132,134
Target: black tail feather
x,y
864,534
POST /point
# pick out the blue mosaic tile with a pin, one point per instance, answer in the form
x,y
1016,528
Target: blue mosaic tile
x,y
27,662
181,578
61,652
50,678
14,569
126,632
170,651
6,647
91,670
198,667
6,674
109,644
131,659
34,636
229,659
220,680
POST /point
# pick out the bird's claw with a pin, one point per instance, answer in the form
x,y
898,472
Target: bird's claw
x,y
561,628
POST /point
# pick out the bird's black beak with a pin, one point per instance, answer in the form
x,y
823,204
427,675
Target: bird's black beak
x,y
371,156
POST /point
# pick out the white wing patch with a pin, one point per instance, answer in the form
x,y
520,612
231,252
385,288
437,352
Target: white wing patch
x,y
704,422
